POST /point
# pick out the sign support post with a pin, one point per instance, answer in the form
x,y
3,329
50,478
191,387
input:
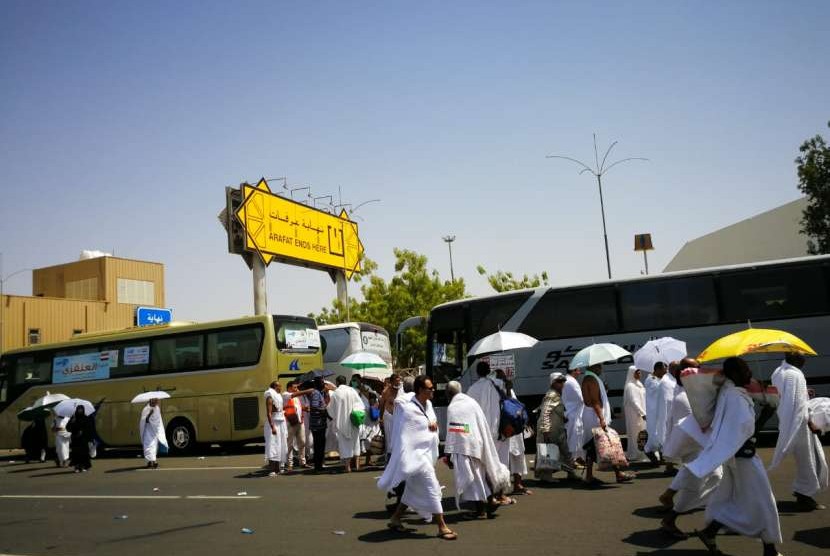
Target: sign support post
x,y
342,291
260,293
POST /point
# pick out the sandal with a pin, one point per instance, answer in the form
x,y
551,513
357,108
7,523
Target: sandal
x,y
522,490
448,535
625,477
398,527
709,542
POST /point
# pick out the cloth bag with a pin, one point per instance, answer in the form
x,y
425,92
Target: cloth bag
x,y
377,446
547,457
357,417
610,453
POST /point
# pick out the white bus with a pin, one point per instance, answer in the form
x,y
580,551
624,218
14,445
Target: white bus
x,y
697,307
341,340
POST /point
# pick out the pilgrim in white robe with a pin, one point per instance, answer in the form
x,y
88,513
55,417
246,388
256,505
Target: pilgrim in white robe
x,y
413,457
634,407
152,433
516,447
389,421
369,429
590,419
794,434
342,402
485,391
659,410
743,500
475,460
62,439
574,404
276,445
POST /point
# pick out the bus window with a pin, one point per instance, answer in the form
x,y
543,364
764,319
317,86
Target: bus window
x,y
668,304
775,293
296,334
177,353
447,357
488,316
337,343
234,347
131,359
33,369
573,313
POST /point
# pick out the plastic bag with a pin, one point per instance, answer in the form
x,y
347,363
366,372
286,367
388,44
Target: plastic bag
x,y
548,457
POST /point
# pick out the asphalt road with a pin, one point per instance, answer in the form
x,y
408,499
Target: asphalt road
x,y
196,505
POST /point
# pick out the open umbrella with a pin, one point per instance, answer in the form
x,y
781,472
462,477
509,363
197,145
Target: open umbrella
x,y
597,353
316,373
665,349
501,341
66,408
49,400
145,397
755,340
362,360
33,413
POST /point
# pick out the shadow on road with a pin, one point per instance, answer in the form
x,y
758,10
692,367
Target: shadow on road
x,y
820,538
653,538
53,474
387,535
676,552
377,514
163,532
126,469
650,512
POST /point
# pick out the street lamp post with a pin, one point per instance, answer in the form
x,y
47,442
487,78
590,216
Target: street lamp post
x,y
3,301
449,240
600,170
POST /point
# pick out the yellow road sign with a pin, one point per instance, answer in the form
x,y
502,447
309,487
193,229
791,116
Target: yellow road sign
x,y
288,231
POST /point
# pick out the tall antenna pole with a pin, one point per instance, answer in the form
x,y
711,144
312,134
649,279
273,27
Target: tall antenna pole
x,y
600,170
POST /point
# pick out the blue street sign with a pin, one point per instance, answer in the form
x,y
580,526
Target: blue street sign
x,y
151,316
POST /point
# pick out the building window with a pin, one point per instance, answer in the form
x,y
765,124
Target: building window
x,y
34,336
136,292
82,289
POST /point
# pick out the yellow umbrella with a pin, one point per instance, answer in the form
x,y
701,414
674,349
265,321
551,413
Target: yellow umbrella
x,y
754,340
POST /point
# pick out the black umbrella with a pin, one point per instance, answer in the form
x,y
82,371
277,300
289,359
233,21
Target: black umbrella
x,y
316,373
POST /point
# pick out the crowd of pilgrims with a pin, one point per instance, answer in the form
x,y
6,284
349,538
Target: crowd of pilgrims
x,y
711,449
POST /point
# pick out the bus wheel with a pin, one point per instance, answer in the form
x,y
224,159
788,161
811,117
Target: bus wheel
x,y
181,437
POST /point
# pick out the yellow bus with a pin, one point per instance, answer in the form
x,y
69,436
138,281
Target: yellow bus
x,y
214,372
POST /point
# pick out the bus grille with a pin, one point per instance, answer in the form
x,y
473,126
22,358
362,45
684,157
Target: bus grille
x,y
245,413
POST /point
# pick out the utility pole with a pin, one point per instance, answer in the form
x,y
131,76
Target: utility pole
x,y
449,240
600,170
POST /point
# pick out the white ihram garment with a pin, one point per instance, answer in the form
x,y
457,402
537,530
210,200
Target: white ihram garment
x,y
794,435
476,464
743,501
485,391
276,445
413,458
516,446
152,433
342,402
574,404
657,419
62,439
634,406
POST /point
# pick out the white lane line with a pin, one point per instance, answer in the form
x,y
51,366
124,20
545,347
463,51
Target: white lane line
x,y
195,468
205,497
90,497
124,497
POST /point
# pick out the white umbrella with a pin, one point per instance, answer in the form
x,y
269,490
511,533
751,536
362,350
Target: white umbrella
x,y
145,397
597,353
501,341
66,408
49,400
364,360
665,349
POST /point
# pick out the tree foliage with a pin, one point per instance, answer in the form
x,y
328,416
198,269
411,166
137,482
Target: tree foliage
x,y
505,281
814,182
412,291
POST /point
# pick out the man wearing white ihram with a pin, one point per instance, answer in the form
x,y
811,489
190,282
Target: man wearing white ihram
x,y
276,433
572,398
743,501
342,402
634,406
797,435
413,460
151,430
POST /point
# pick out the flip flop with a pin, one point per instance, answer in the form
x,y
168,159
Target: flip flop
x,y
398,527
448,535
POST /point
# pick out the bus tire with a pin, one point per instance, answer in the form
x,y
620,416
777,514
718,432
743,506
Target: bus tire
x,y
181,437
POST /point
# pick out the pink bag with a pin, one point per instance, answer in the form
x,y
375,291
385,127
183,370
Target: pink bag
x,y
610,453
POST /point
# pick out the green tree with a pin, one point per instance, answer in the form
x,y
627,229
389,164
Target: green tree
x,y
814,182
505,281
413,291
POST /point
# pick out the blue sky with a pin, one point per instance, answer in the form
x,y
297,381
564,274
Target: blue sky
x,y
121,124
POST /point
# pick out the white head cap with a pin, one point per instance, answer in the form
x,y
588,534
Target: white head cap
x,y
556,375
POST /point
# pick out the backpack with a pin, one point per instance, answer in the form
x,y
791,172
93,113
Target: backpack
x,y
512,415
290,413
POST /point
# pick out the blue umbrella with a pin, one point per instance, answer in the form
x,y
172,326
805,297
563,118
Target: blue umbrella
x,y
597,353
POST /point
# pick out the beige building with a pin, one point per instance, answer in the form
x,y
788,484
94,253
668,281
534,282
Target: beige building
x,y
768,236
89,295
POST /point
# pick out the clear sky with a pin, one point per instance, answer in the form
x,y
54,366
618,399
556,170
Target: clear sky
x,y
122,122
